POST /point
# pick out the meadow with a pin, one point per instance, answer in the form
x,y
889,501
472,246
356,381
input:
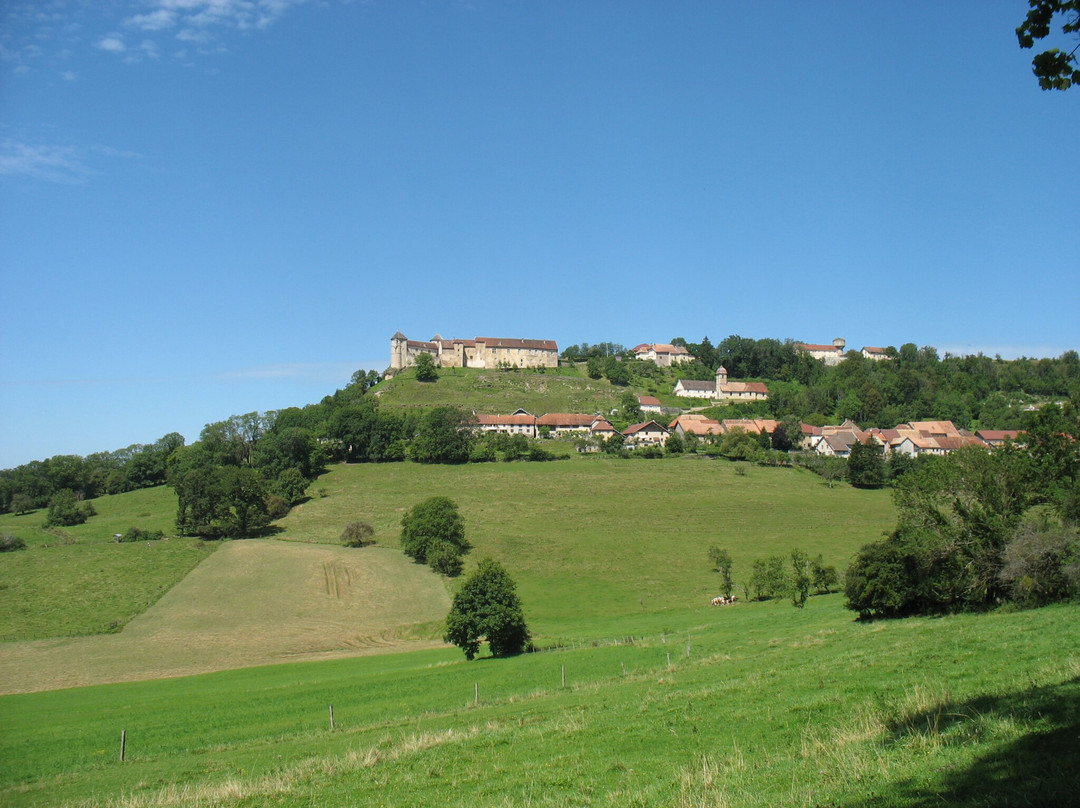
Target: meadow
x,y
641,693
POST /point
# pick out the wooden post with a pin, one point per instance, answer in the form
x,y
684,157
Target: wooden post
x,y
623,668
564,676
123,744
669,659
331,717
476,692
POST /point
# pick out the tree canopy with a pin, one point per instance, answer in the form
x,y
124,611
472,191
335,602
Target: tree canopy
x,y
487,607
1055,69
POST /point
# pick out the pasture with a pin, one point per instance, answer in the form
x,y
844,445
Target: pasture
x,y
751,705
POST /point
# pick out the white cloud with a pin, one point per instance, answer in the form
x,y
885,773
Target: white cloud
x,y
112,43
44,162
69,75
154,21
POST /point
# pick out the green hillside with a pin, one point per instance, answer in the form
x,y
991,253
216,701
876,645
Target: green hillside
x,y
496,391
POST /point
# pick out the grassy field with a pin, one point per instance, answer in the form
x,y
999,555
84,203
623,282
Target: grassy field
x,y
77,580
494,391
751,705
602,537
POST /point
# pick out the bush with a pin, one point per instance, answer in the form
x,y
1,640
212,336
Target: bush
x,y
276,507
357,534
65,510
9,543
445,559
1042,565
138,534
432,521
769,578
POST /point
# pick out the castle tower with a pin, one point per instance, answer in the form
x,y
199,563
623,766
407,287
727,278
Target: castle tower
x,y
399,351
721,377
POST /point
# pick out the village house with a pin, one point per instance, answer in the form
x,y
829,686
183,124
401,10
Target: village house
x,y
519,423
722,389
997,437
481,352
650,404
649,433
875,354
829,354
563,423
693,423
664,355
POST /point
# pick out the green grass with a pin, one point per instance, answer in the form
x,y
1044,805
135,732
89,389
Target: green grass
x,y
773,706
77,580
494,391
603,537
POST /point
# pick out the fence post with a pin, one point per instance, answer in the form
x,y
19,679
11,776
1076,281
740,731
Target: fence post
x,y
476,692
564,676
331,717
123,744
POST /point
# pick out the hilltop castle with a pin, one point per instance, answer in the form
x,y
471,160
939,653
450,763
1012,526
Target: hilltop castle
x,y
481,352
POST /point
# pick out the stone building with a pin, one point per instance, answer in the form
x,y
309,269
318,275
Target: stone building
x,y
481,352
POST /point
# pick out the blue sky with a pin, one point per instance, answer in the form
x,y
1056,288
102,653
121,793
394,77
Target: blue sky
x,y
209,207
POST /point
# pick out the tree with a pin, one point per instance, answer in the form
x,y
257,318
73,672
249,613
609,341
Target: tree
x,y
721,561
824,577
21,503
357,534
800,578
65,509
291,485
866,464
444,436
425,368
1055,69
768,578
487,607
433,521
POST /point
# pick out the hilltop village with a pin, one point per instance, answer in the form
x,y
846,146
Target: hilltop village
x,y
913,439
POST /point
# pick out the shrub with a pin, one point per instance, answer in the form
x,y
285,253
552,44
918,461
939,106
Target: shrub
x,y
1042,565
769,579
444,558
276,506
434,520
9,543
138,534
357,534
65,509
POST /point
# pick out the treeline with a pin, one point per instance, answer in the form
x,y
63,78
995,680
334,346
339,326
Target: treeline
x,y
914,384
34,485
977,528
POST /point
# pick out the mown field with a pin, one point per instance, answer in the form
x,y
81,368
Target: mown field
x,y
751,705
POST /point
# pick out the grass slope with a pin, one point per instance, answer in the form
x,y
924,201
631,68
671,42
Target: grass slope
x,y
602,537
771,706
494,391
77,580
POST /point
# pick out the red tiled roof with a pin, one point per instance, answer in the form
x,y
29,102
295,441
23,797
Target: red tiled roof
x,y
565,419
648,401
505,420
808,347
633,430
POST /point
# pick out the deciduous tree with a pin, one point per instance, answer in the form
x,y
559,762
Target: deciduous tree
x,y
487,607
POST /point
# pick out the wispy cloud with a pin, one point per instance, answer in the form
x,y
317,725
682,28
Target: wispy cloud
x,y
45,162
61,163
154,21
